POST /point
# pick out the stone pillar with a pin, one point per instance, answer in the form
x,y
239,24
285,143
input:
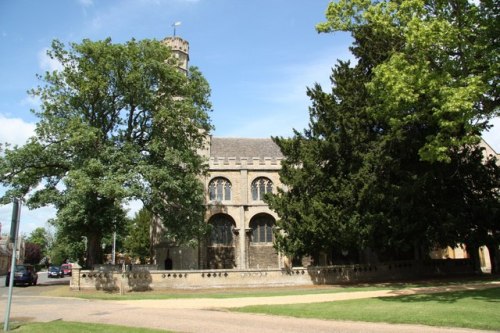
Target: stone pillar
x,y
74,283
243,262
242,222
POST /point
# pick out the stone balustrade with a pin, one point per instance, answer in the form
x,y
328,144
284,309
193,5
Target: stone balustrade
x,y
141,279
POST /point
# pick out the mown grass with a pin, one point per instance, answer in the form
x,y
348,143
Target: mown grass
x,y
64,291
75,327
478,309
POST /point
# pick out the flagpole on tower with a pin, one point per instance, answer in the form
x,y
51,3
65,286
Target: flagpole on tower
x,y
176,24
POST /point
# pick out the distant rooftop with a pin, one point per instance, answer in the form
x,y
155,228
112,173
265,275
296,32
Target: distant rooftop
x,y
244,147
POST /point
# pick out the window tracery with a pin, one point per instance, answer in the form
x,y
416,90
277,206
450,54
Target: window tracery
x,y
261,186
219,189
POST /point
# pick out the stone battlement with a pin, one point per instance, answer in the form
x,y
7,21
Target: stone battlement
x,y
244,161
177,44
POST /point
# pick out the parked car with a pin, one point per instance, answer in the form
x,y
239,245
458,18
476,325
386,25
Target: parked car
x,y
55,272
66,269
24,274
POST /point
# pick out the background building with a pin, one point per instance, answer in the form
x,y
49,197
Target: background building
x,y
241,171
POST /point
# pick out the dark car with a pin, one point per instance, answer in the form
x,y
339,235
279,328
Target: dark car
x,y
55,272
66,269
24,274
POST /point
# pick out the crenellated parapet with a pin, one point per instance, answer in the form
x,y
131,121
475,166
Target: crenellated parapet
x,y
242,162
180,50
177,44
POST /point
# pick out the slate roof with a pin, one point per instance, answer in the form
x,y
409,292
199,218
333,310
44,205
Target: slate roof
x,y
244,147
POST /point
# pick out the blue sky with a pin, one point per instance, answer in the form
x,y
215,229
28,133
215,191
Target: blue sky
x,y
258,57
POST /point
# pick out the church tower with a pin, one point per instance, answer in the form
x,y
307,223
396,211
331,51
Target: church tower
x,y
180,50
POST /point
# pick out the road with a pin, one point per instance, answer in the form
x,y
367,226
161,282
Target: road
x,y
43,283
194,315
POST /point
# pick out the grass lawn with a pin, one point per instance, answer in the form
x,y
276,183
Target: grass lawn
x,y
477,309
64,291
73,327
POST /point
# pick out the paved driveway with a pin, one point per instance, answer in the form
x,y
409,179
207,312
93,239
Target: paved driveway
x,y
203,315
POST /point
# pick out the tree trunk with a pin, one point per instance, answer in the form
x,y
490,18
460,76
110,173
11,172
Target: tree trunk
x,y
473,251
493,249
94,251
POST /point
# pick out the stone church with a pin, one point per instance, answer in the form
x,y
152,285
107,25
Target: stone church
x,y
241,171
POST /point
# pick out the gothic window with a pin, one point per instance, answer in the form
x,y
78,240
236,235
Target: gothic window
x,y
262,228
219,189
261,186
222,230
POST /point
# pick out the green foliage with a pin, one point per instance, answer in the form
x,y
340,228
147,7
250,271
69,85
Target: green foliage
x,y
327,171
137,242
116,123
446,60
390,159
68,246
59,326
40,237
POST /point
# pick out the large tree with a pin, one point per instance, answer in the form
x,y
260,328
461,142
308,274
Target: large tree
x,y
117,122
327,171
137,241
436,92
445,61
41,237
390,159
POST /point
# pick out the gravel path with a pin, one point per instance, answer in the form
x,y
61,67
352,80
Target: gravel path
x,y
210,315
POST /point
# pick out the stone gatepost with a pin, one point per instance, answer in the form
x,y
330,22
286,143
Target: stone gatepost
x,y
74,283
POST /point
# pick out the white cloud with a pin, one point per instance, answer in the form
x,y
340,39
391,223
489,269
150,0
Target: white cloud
x,y
30,219
15,130
86,3
31,101
46,63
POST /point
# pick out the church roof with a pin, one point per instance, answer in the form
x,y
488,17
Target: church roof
x,y
244,147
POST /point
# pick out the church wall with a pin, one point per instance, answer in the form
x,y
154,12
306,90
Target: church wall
x,y
262,256
242,208
221,257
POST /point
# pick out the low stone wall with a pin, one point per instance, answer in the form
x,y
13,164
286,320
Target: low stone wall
x,y
143,280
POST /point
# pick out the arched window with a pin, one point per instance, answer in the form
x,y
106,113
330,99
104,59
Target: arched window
x,y
261,186
222,230
262,228
219,189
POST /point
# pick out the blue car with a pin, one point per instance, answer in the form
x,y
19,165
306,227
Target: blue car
x,y
55,272
25,274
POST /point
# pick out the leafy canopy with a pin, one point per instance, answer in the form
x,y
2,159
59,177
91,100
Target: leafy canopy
x,y
118,122
446,56
390,159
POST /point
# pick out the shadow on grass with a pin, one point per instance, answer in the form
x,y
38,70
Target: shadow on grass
x,y
421,283
486,295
